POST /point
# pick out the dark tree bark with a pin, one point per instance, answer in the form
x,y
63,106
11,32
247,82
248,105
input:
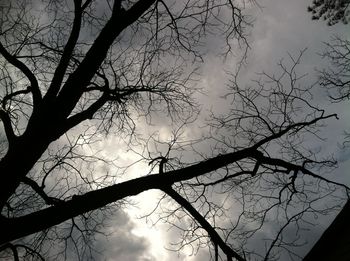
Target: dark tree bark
x,y
334,242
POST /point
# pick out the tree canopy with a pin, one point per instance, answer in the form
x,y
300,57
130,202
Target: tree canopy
x,y
330,10
74,73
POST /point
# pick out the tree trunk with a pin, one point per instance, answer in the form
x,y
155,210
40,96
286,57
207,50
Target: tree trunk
x,y
334,244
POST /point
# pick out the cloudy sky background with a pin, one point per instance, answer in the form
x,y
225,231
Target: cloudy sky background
x,y
280,27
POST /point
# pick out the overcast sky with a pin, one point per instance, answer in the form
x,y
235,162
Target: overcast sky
x,y
280,27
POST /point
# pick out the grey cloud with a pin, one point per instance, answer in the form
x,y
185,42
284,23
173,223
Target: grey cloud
x,y
121,243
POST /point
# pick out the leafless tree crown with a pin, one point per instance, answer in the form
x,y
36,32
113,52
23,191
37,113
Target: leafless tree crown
x,y
75,72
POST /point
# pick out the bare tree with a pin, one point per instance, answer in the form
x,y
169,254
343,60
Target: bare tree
x,y
336,78
73,72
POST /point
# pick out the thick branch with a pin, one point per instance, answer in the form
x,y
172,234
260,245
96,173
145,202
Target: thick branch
x,y
6,121
22,226
10,95
215,237
67,52
26,71
80,79
84,115
15,228
290,166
